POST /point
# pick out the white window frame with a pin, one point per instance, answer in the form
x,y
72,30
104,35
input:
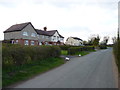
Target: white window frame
x,y
26,42
32,42
25,33
33,35
40,43
16,41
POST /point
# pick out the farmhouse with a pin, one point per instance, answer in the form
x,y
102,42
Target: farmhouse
x,y
26,34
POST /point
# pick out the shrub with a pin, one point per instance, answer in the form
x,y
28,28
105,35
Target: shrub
x,y
19,55
102,46
64,47
74,50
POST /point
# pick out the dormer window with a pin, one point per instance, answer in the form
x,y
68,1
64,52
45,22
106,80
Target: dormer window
x,y
33,35
25,34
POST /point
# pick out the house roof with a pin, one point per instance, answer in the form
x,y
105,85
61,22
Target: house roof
x,y
47,33
17,27
77,38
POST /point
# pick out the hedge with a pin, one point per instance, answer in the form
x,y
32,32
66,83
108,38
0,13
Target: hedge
x,y
19,55
102,46
64,47
74,50
116,49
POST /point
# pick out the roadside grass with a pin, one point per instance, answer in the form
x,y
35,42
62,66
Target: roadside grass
x,y
18,73
64,52
82,53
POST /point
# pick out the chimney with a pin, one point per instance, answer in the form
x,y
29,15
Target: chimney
x,y
45,28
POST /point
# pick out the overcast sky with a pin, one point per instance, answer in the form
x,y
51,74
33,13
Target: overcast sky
x,y
77,18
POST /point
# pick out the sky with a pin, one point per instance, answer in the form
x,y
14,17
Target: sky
x,y
76,18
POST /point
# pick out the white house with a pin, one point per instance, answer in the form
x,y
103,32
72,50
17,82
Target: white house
x,y
74,41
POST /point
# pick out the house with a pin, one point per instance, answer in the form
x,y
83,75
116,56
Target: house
x,y
74,41
26,34
51,37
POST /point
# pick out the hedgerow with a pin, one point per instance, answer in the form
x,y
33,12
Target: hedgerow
x,y
74,50
14,55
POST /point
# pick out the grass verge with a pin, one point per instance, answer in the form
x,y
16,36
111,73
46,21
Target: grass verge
x,y
24,72
64,52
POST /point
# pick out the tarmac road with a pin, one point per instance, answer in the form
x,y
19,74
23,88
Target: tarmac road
x,y
94,70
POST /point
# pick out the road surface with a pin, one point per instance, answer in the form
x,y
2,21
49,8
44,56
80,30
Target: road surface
x,y
94,70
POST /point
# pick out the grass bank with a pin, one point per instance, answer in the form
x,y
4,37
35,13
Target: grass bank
x,y
82,53
14,74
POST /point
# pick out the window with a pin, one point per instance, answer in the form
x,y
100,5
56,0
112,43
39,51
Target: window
x,y
47,37
38,36
42,36
16,42
25,34
32,43
33,35
26,42
12,41
46,43
40,43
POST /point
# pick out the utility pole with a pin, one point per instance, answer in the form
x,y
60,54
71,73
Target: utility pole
x,y
118,36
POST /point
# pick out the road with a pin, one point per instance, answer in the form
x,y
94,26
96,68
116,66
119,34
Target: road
x,y
94,70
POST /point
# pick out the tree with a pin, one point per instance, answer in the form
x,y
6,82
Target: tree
x,y
94,40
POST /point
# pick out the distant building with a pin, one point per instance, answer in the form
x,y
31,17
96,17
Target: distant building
x,y
26,34
74,41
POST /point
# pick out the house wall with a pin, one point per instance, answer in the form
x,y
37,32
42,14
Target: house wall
x,y
19,34
56,38
43,38
12,35
29,29
22,41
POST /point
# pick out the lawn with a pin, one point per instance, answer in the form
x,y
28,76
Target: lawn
x,y
18,73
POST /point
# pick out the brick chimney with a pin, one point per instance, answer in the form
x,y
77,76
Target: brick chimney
x,y
45,28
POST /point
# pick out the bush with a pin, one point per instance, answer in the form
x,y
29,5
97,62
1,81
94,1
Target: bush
x,y
102,46
64,47
19,55
74,50
116,50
